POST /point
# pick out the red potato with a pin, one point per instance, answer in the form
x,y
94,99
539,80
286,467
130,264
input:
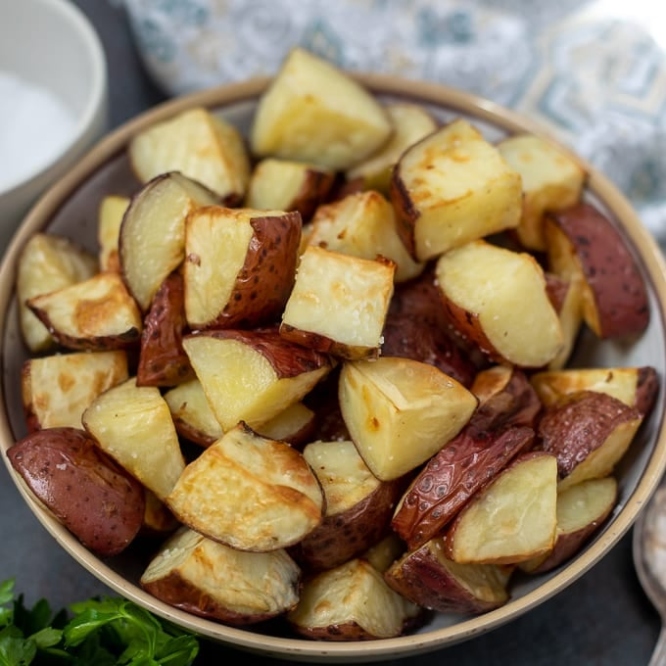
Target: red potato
x,y
582,241
451,478
81,486
162,359
193,573
109,218
428,578
249,492
567,299
589,432
352,602
239,267
192,415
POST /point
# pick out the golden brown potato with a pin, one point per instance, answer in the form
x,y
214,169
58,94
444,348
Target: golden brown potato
x,y
249,492
86,491
589,432
582,241
199,144
431,580
385,552
314,112
352,603
240,266
57,389
193,573
498,300
400,412
158,521
110,217
339,303
453,187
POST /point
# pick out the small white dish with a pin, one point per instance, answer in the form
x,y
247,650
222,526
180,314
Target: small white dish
x,y
53,61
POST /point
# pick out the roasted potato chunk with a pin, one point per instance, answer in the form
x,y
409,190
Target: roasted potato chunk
x,y
110,217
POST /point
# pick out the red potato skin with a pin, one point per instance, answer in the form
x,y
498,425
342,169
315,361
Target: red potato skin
x,y
647,389
162,359
556,288
316,188
264,283
618,287
463,467
86,491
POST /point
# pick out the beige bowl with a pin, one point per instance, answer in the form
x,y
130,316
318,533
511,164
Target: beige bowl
x,y
50,44
70,208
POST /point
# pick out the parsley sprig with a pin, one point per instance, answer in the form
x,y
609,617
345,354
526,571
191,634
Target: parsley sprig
x,y
104,632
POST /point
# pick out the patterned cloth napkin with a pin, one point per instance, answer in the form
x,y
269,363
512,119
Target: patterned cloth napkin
x,y
594,76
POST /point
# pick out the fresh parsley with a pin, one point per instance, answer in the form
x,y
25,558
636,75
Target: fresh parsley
x,y
103,632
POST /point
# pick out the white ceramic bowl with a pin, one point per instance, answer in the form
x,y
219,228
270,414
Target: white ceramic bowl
x,y
50,45
70,208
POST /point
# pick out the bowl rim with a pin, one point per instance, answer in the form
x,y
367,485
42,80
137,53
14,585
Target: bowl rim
x,y
96,95
301,649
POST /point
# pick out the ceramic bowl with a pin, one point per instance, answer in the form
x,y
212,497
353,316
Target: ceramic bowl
x,y
70,208
50,47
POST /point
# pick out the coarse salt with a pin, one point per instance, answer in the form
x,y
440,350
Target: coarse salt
x,y
35,126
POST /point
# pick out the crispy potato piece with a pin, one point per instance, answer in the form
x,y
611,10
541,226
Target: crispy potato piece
x,y
453,187
411,123
158,521
552,180
252,376
287,185
581,510
514,518
200,145
363,224
498,299
191,412
589,432
110,217
81,486
582,241
47,262
162,359
634,386
400,412
133,425
151,244
96,314
466,465
385,552
294,425
192,572
431,580
314,112
358,507
240,266
249,492
567,299
57,389
338,304
350,603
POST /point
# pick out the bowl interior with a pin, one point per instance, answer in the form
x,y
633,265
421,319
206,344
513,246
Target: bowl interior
x,y
71,207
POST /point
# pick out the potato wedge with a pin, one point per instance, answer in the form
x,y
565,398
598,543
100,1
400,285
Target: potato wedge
x,y
498,300
428,578
110,217
81,486
57,389
400,412
192,572
199,144
514,518
582,241
385,552
350,603
453,187
314,112
552,180
358,507
567,299
47,262
158,521
133,425
240,266
96,314
287,185
192,415
338,304
249,492
589,432
151,244
252,376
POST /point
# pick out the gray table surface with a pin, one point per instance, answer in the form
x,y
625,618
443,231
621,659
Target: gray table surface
x,y
602,618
